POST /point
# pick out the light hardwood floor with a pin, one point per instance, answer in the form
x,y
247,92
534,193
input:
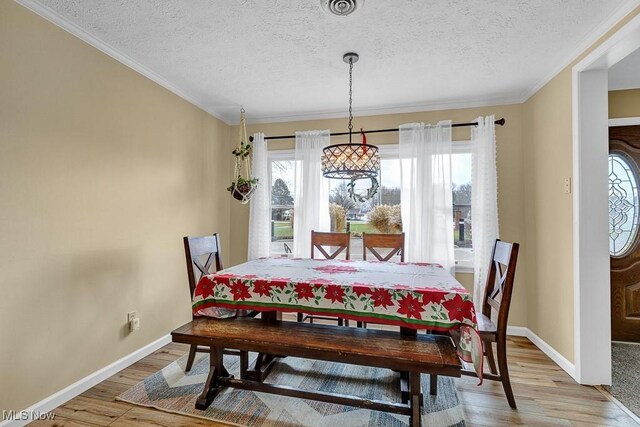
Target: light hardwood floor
x,y
545,394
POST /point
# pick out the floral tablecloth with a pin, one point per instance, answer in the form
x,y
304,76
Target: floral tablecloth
x,y
414,295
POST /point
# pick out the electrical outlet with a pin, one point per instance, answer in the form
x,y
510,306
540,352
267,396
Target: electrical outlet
x,y
133,320
135,324
567,186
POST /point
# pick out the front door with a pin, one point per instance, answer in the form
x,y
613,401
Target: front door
x,y
624,215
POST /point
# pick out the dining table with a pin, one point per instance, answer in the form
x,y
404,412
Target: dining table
x,y
412,295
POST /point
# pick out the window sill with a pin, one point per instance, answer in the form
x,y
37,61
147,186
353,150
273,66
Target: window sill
x,y
466,269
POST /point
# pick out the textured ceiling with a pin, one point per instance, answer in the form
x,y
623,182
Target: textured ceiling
x,y
626,73
282,59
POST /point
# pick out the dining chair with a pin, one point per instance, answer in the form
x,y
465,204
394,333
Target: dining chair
x,y
336,243
373,242
497,296
204,257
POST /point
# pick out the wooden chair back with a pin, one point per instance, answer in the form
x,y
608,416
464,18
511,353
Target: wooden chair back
x,y
339,241
497,294
203,257
371,242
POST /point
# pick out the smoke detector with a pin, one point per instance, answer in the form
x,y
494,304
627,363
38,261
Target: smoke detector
x,y
341,7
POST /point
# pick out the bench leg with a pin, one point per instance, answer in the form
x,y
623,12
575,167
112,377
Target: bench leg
x,y
414,386
433,384
211,387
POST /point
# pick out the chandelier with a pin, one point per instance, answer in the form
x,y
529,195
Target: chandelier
x,y
352,161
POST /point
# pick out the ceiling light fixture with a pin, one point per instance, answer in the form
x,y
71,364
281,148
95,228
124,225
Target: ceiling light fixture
x,y
352,161
341,7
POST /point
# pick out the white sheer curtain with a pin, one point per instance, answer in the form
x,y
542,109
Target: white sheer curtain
x,y
484,200
426,199
259,212
311,201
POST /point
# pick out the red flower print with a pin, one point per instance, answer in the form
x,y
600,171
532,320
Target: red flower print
x,y
361,289
410,306
381,298
204,288
262,288
280,283
458,308
332,269
432,296
304,291
334,293
240,290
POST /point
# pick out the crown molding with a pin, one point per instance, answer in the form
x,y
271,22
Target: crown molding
x,y
585,44
400,109
72,28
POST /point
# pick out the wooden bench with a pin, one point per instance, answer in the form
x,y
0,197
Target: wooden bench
x,y
411,354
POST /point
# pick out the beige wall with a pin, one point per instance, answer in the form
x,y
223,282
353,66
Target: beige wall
x,y
101,173
624,103
510,176
548,211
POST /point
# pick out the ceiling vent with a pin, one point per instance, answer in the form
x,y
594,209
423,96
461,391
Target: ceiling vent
x,y
341,7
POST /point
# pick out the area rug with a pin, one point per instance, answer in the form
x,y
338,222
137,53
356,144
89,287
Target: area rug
x,y
625,380
174,391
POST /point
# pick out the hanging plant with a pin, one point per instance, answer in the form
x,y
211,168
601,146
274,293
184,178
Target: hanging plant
x,y
245,185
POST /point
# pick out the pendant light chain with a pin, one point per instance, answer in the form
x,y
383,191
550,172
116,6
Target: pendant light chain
x,y
350,97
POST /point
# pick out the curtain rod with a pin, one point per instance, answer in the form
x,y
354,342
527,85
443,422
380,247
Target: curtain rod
x,y
499,122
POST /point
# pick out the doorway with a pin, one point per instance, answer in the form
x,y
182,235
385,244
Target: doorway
x,y
591,266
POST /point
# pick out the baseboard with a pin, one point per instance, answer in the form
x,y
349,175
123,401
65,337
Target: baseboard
x,y
560,360
48,404
553,354
517,331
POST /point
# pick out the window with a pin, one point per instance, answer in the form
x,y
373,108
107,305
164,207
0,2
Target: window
x,y
461,183
282,182
358,215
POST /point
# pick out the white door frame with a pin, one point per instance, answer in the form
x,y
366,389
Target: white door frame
x,y
591,282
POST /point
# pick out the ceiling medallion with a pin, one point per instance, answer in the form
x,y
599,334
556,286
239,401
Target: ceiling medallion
x,y
341,7
352,161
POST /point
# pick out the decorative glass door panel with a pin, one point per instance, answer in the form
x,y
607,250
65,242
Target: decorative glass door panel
x,y
623,205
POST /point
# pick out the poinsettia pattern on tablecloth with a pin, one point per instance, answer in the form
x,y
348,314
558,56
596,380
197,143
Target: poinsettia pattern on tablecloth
x,y
418,295
414,295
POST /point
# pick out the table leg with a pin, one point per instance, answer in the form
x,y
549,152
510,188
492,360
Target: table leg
x,y
270,316
211,386
404,376
261,368
433,384
264,362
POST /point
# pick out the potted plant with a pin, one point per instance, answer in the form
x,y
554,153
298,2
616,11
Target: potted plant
x,y
242,189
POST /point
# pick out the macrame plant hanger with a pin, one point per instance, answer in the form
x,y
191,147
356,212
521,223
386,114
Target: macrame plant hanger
x,y
244,186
